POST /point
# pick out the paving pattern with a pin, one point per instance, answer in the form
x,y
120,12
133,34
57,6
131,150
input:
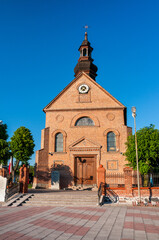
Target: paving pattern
x,y
75,223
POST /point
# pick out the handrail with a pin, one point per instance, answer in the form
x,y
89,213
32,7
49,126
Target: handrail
x,y
101,190
112,195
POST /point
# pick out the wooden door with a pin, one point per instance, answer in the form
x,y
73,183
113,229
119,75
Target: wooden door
x,y
85,170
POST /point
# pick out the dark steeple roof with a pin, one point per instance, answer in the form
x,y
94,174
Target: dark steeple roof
x,y
85,62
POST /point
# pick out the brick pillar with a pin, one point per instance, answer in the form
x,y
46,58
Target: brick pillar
x,y
3,172
101,174
35,180
101,177
24,179
128,181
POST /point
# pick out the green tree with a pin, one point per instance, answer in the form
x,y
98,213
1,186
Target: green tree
x,y
4,145
22,146
3,131
148,149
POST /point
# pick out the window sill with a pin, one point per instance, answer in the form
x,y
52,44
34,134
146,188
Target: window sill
x,y
84,126
111,152
59,152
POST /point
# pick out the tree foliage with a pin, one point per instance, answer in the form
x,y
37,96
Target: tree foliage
x,y
22,145
3,131
4,145
148,149
4,151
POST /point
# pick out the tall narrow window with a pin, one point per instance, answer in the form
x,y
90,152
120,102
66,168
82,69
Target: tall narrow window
x,y
84,52
59,142
89,52
111,142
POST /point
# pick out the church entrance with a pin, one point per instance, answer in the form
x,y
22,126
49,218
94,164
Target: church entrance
x,y
85,170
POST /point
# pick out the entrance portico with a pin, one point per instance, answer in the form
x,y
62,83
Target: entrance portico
x,y
85,155
85,170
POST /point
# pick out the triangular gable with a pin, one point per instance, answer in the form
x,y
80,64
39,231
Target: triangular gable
x,y
84,143
73,82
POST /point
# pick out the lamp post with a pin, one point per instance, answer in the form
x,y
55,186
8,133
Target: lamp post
x,y
133,109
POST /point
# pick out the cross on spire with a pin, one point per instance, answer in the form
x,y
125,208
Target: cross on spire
x,y
86,27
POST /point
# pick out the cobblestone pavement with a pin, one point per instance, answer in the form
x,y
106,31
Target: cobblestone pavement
x,y
74,223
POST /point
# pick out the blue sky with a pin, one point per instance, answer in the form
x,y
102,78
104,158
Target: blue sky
x,y
39,49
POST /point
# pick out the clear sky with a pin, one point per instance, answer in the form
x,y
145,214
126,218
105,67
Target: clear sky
x,y
39,41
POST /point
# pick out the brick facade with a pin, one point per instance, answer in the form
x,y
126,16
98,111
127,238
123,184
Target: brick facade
x,y
108,115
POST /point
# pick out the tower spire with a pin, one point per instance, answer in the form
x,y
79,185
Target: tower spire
x,y
85,61
86,27
86,36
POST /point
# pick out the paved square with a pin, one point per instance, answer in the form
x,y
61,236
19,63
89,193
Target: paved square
x,y
75,223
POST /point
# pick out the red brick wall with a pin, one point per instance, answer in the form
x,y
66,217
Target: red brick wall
x,y
145,192
107,114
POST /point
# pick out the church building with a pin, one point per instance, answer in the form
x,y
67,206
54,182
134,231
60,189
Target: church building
x,y
85,127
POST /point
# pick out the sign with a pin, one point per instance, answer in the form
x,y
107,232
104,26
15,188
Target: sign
x,y
55,180
3,187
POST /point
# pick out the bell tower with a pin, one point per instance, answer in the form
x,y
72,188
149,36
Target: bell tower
x,y
85,61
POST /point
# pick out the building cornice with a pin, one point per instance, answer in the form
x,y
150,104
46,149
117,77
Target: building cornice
x,y
85,149
84,109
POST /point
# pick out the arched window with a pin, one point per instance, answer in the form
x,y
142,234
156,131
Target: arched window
x,y
84,52
59,142
89,52
111,142
84,121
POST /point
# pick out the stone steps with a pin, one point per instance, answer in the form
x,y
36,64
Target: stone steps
x,y
39,204
63,197
22,200
17,200
61,200
83,198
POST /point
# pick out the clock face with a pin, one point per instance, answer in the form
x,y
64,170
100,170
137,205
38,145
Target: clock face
x,y
83,88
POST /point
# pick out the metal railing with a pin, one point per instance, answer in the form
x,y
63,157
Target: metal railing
x,y
101,193
111,196
12,190
115,180
148,180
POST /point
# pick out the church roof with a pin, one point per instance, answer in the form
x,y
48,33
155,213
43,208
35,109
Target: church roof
x,y
85,61
76,79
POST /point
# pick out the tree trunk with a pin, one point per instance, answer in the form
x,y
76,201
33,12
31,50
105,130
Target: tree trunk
x,y
13,173
17,163
14,169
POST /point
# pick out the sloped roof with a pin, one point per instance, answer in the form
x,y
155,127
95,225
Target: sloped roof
x,y
73,81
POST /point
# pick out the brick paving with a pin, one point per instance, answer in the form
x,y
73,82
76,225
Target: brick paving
x,y
75,223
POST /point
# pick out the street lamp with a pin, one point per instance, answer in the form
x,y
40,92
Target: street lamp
x,y
133,109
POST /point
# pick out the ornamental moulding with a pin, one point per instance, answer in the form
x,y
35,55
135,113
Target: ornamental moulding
x,y
84,109
84,149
